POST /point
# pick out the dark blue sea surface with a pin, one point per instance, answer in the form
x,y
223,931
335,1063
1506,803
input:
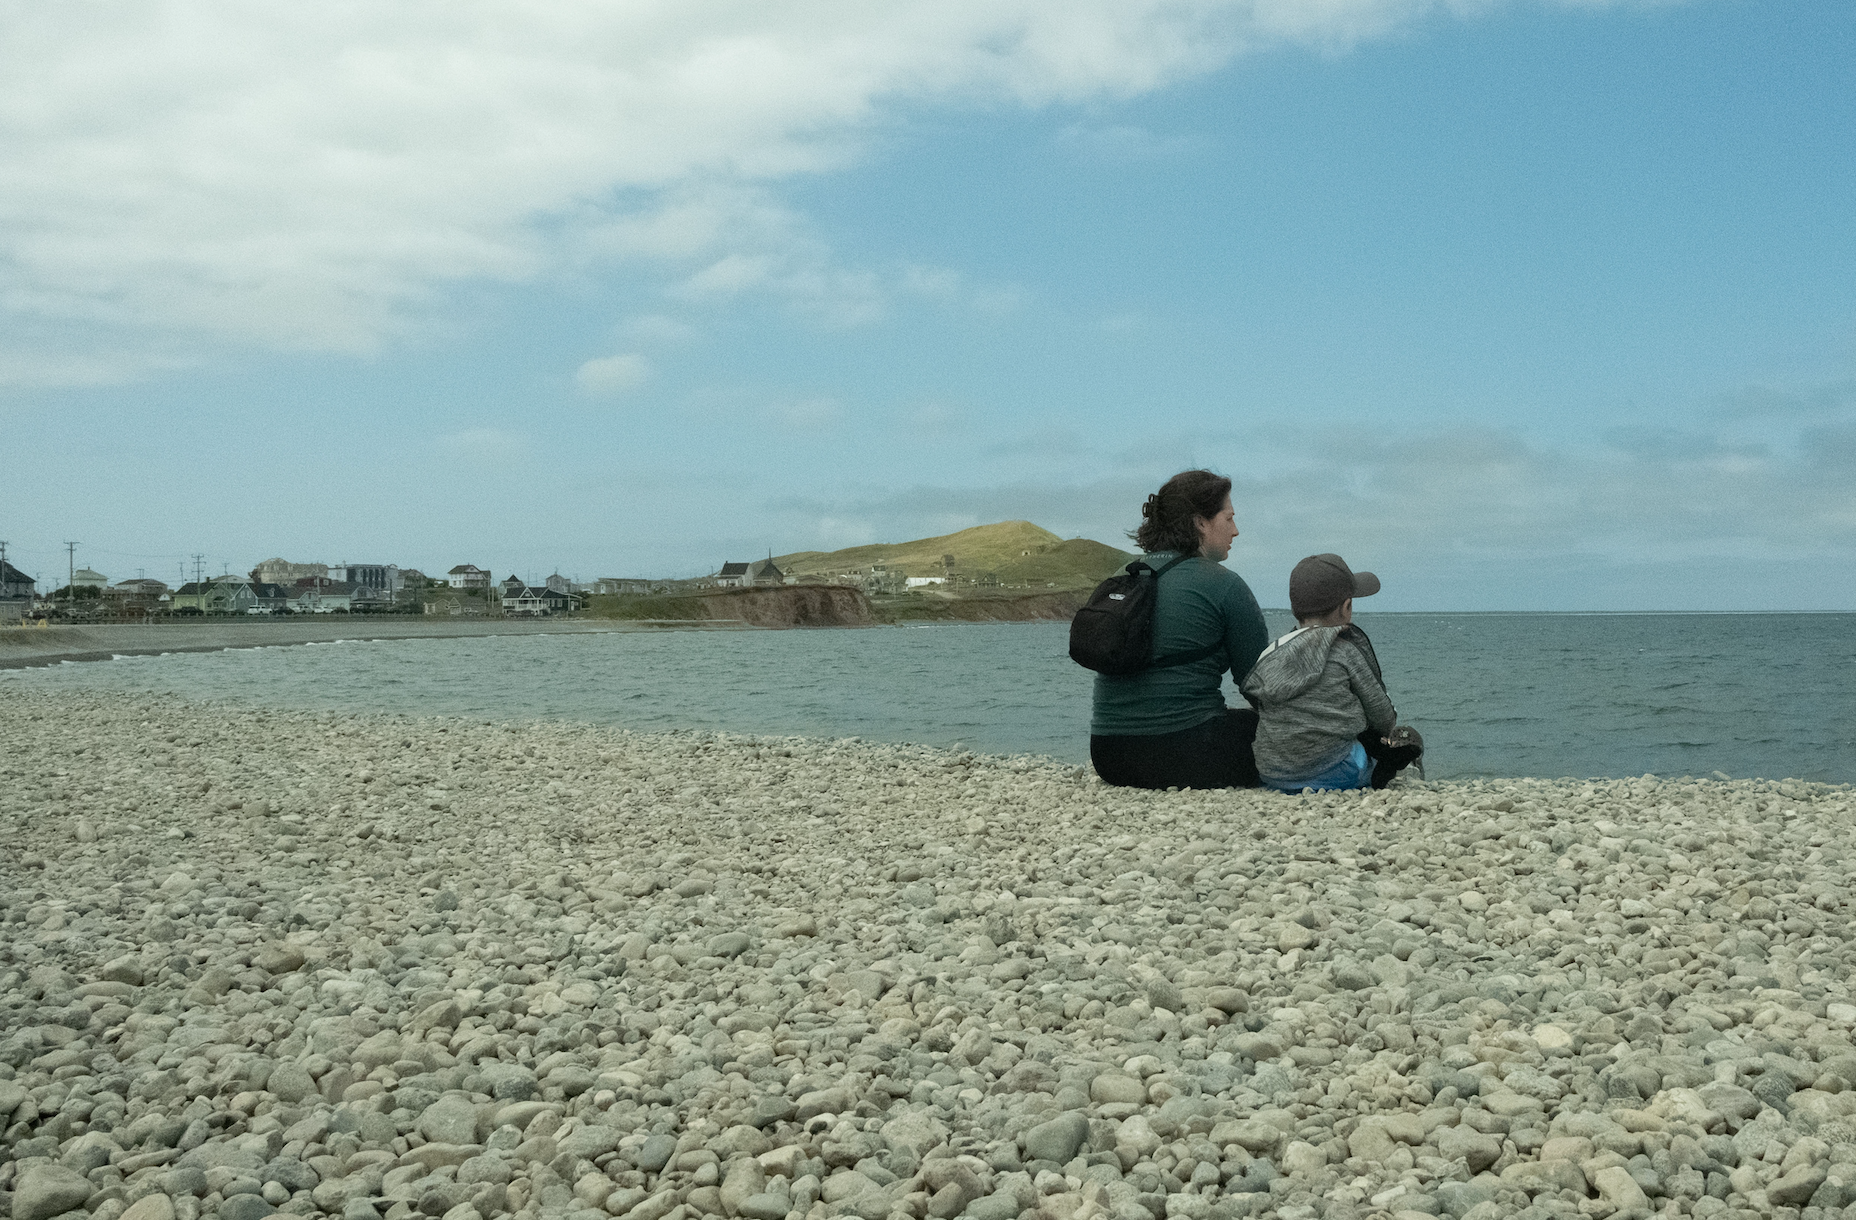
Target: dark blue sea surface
x,y
1494,694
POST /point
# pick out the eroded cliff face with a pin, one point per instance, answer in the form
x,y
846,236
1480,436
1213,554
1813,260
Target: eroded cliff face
x,y
1029,608
838,606
790,606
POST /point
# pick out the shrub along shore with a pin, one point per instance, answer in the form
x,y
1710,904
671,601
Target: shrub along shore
x,y
385,968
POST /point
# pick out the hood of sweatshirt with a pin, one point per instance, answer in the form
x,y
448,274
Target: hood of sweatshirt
x,y
1292,664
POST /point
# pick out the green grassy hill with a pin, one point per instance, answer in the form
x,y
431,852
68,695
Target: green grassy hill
x,y
1017,552
1072,561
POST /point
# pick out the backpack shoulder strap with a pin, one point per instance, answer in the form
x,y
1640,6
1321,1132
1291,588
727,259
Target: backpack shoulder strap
x,y
1181,658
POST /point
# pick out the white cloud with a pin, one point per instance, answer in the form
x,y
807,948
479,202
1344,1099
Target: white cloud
x,y
65,364
1471,518
753,246
730,275
656,328
185,173
610,376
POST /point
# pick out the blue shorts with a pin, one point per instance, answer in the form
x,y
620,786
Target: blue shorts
x,y
1353,771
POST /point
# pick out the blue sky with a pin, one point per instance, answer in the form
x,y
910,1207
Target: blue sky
x,y
1526,305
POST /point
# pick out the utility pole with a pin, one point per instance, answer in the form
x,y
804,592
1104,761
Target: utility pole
x,y
70,592
199,582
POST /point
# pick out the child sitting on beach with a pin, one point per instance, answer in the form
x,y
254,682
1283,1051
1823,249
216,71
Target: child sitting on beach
x,y
1324,719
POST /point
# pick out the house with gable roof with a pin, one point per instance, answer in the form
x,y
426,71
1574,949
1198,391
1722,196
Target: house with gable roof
x,y
16,592
732,576
519,598
220,595
758,572
15,583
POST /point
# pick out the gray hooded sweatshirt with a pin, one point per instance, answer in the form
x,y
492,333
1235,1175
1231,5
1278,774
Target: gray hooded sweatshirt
x,y
1315,690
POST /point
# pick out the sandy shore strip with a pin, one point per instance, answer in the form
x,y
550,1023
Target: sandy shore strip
x,y
27,647
395,968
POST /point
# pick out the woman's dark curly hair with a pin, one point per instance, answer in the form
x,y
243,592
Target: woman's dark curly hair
x,y
1170,518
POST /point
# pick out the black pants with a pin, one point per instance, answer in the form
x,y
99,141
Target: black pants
x,y
1388,761
1216,754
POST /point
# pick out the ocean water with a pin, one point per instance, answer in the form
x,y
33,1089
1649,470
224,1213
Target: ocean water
x,y
1494,694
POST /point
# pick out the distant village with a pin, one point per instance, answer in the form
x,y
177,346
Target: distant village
x,y
280,587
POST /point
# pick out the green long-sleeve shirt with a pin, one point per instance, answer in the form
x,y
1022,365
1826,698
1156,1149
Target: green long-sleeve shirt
x,y
1198,603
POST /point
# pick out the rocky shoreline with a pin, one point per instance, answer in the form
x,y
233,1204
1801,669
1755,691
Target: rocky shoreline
x,y
389,968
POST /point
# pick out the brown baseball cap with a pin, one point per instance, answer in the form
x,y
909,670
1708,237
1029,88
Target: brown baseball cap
x,y
1321,583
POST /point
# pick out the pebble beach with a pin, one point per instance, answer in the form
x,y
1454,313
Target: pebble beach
x,y
382,968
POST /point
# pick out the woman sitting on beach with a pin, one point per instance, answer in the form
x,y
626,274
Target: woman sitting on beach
x,y
1169,727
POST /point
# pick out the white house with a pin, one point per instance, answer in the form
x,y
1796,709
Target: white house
x,y
745,575
535,599
277,571
382,576
625,584
732,576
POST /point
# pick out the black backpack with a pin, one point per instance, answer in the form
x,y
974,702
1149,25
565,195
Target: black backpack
x,y
1114,631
